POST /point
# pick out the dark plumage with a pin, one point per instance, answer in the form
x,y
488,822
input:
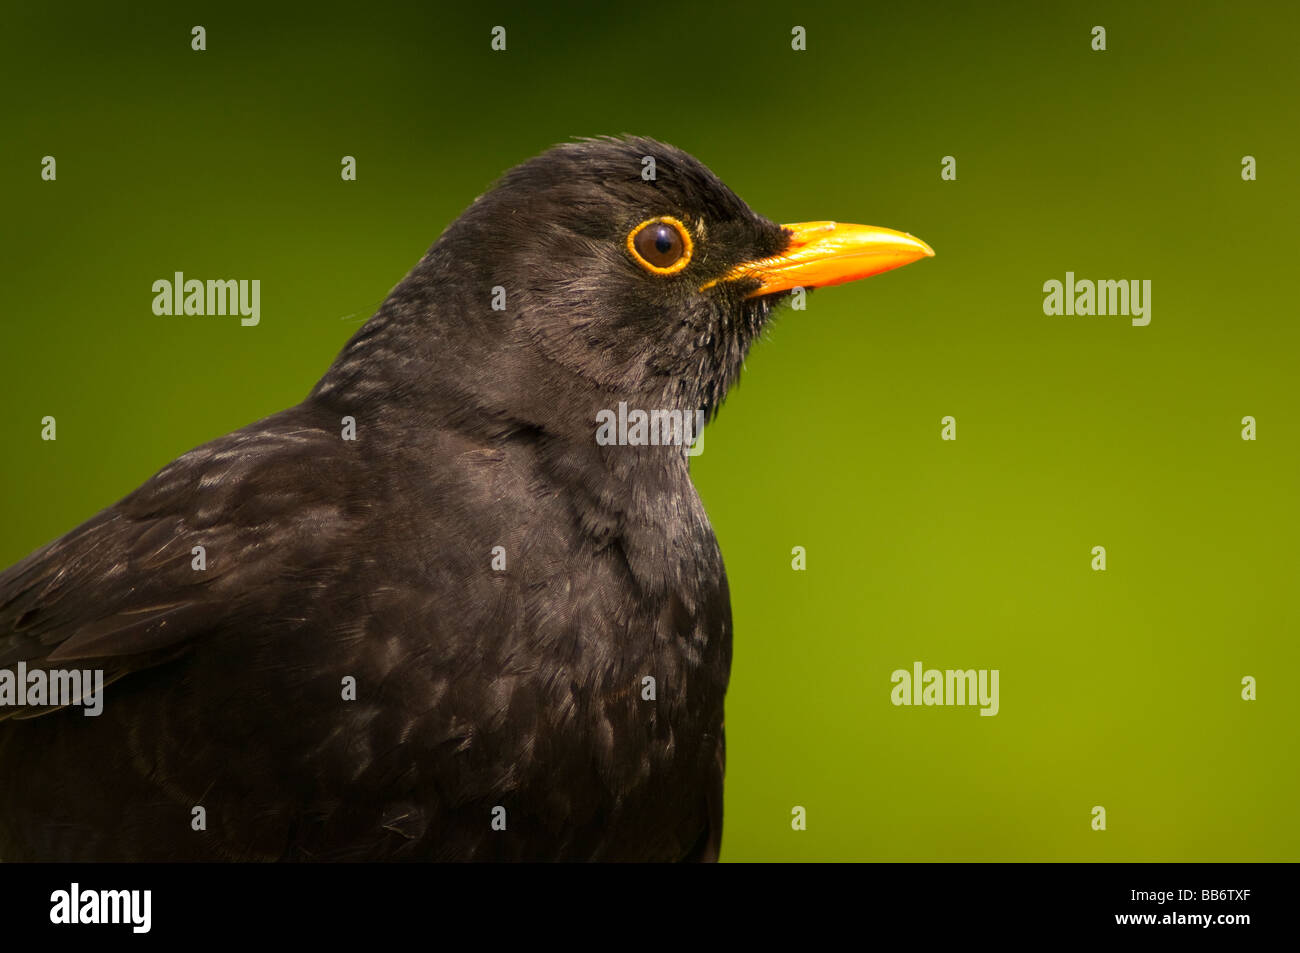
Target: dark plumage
x,y
328,558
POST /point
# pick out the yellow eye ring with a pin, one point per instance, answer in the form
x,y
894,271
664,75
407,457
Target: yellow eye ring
x,y
648,241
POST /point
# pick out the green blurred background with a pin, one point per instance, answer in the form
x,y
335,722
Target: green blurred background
x,y
1119,689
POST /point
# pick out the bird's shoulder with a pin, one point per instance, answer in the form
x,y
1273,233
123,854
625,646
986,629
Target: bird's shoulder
x,y
189,548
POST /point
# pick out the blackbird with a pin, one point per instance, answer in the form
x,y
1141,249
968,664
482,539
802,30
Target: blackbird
x,y
426,614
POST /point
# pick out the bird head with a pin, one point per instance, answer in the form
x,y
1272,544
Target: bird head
x,y
613,270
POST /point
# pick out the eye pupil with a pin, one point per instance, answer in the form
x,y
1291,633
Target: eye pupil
x,y
662,245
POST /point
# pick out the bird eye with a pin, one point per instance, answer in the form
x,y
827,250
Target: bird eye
x,y
661,245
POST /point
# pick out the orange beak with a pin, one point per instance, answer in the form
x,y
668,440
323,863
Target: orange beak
x,y
829,253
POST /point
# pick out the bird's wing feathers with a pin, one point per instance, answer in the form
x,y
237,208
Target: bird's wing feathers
x,y
184,554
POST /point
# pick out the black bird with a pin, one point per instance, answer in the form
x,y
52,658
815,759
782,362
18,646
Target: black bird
x,y
433,641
